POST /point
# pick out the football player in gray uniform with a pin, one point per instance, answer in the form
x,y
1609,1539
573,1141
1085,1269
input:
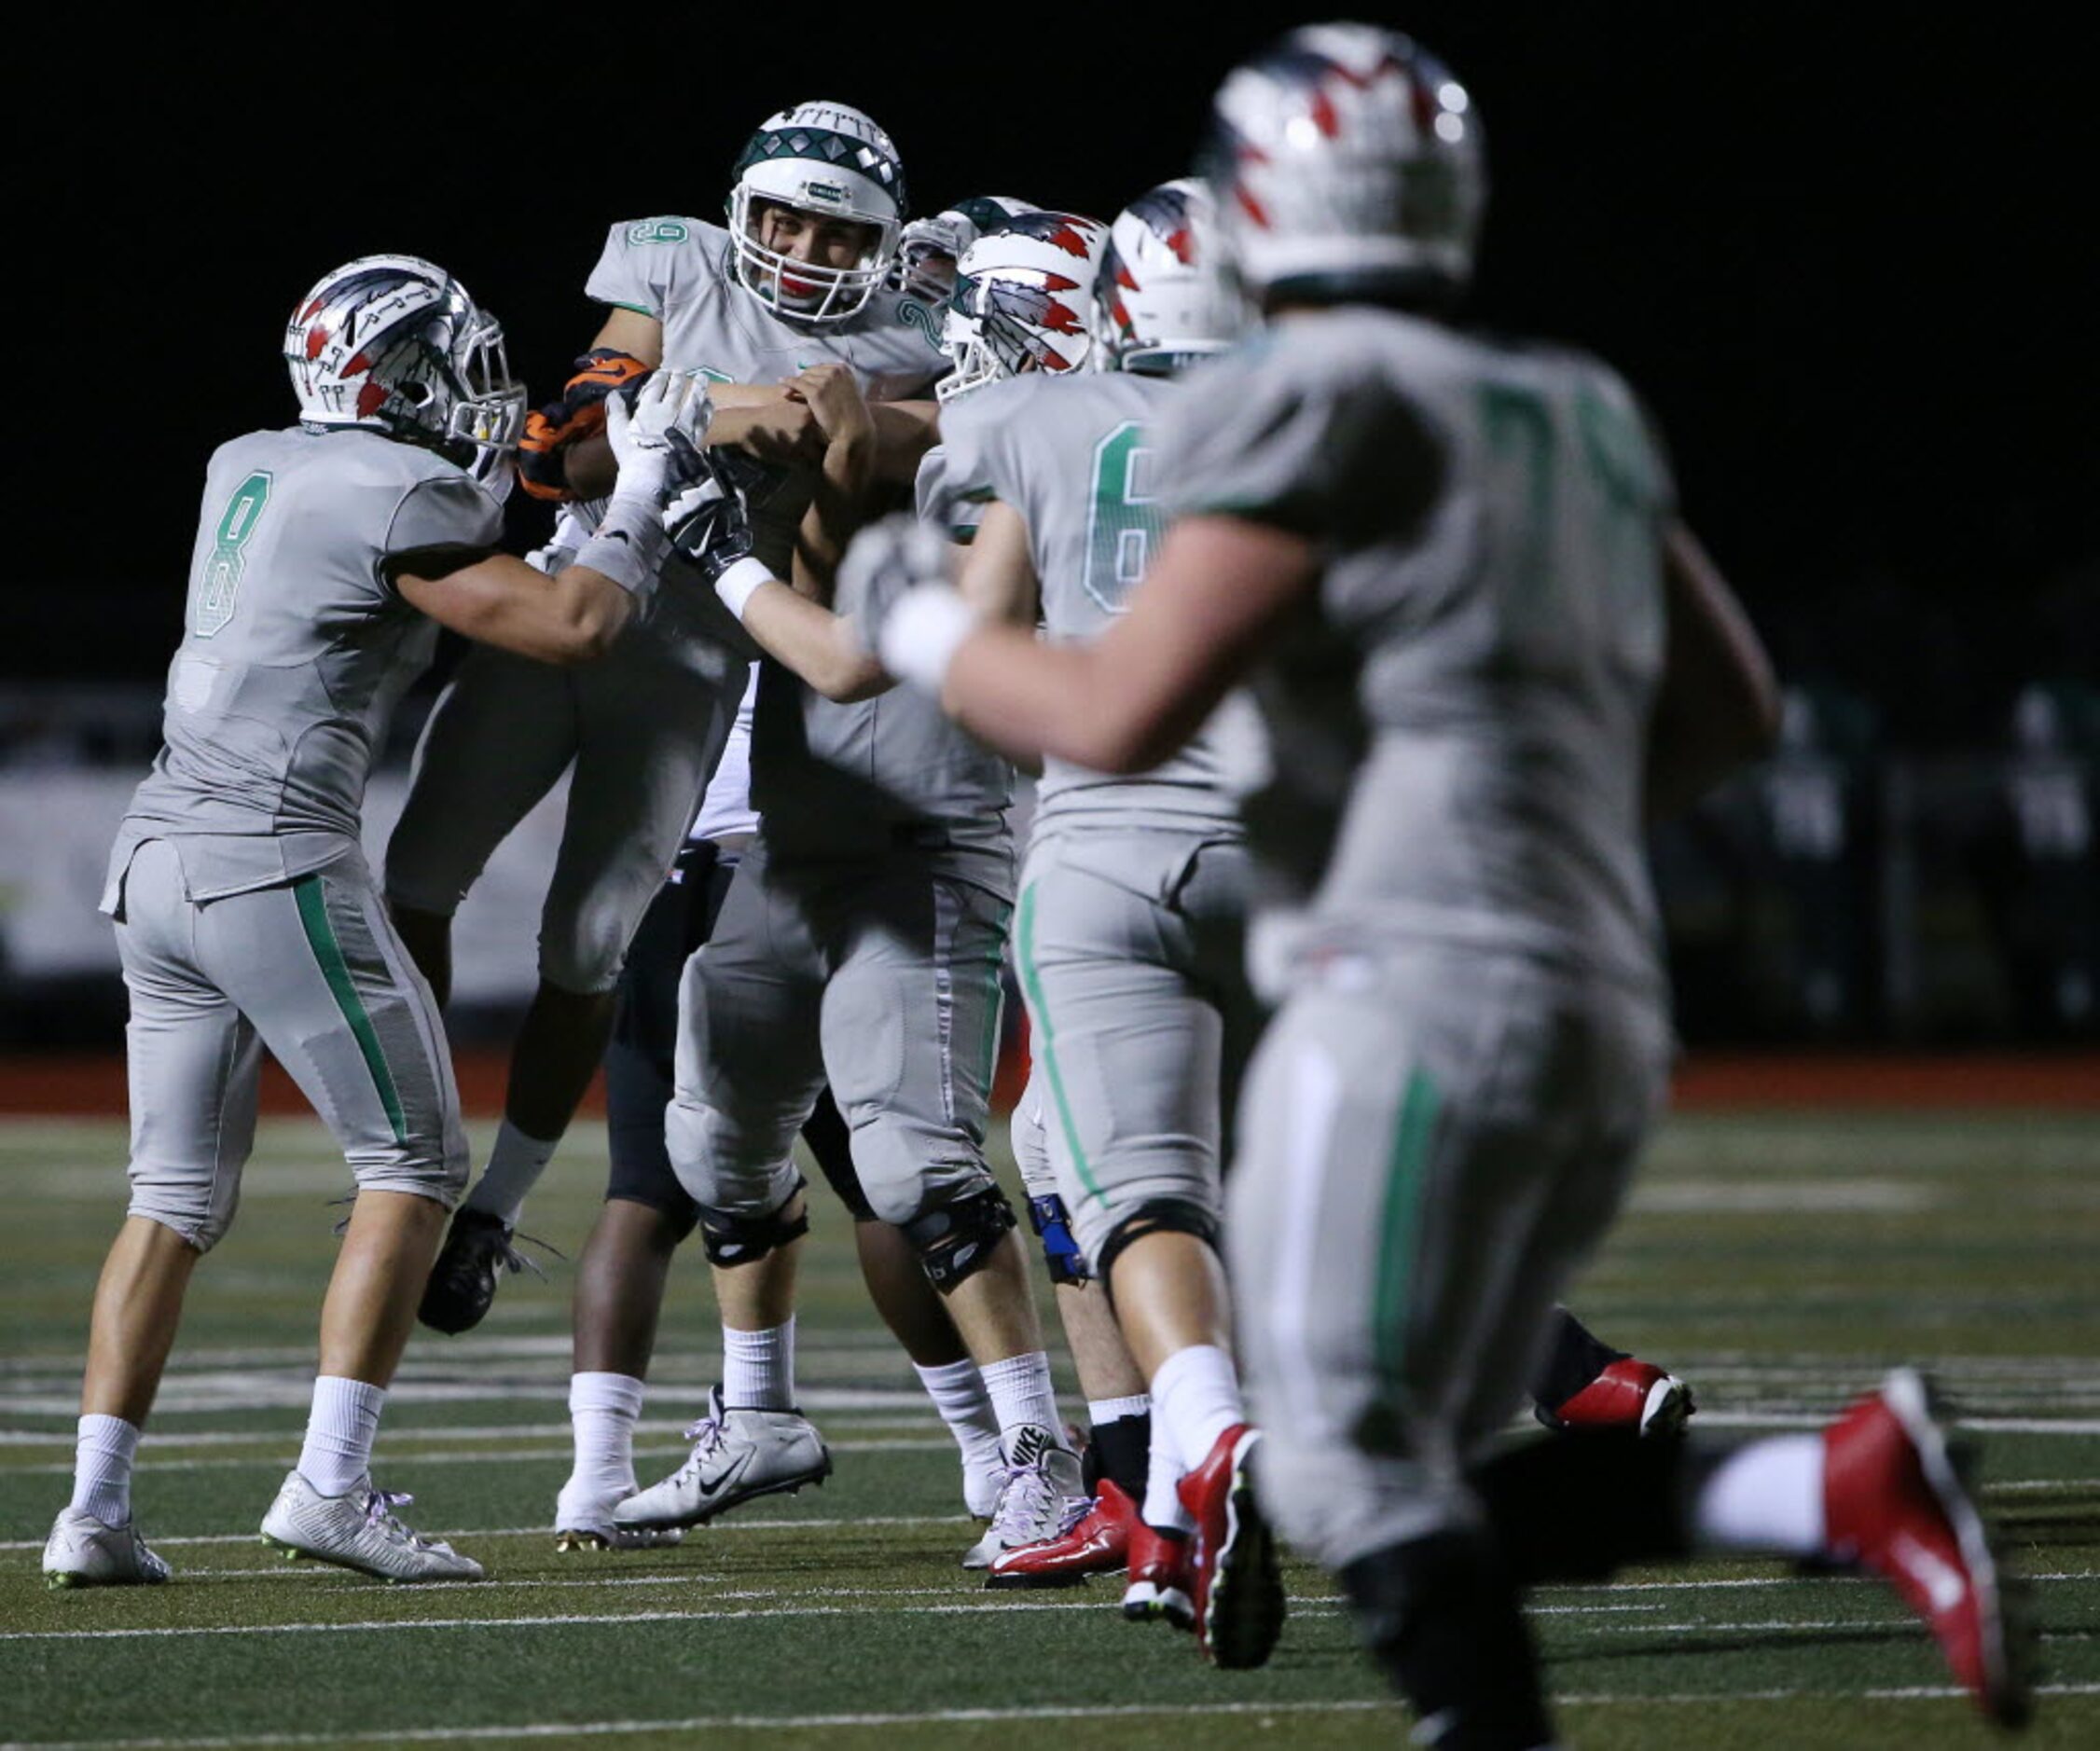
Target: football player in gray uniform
x,y
326,557
1484,648
1127,938
860,943
792,285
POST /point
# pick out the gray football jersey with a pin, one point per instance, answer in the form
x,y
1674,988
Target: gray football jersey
x,y
1458,729
681,272
1076,457
295,649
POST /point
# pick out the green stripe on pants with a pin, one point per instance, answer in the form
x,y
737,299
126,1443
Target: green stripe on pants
x,y
1405,1178
328,954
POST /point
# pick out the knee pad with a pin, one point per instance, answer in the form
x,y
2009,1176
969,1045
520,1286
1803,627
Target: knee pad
x,y
733,1240
956,1239
1060,1251
1156,1216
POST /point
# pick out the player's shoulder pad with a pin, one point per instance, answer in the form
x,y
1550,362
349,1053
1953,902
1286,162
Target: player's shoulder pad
x,y
442,505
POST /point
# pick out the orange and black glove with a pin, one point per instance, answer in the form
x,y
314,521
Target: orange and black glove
x,y
542,468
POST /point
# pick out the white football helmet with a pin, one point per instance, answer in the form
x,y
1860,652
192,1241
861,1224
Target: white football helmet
x,y
1348,163
1164,302
928,249
830,160
1023,301
394,342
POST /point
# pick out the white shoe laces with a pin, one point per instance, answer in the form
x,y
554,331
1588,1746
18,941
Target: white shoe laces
x,y
707,1437
1025,1506
379,1511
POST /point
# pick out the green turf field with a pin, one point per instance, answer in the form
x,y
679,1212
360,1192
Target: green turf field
x,y
1778,1262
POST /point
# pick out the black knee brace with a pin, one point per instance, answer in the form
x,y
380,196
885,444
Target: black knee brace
x,y
1156,1216
732,1240
958,1240
1440,1617
1060,1251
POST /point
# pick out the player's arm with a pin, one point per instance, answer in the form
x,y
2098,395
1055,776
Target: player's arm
x,y
839,494
571,617
1718,704
576,614
812,640
709,525
904,430
998,578
1213,601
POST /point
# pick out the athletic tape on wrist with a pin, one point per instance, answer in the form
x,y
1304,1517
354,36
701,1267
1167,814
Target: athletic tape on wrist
x,y
630,544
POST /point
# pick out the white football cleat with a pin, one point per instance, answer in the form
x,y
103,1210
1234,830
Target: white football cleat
x,y
1043,1495
358,1530
83,1552
737,1455
585,1523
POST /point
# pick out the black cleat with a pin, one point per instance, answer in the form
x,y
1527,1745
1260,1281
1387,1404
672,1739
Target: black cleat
x,y
462,1282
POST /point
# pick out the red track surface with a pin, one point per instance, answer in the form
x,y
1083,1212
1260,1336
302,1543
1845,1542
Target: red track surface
x,y
94,1084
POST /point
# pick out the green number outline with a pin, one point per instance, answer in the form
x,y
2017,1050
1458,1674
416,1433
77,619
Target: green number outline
x,y
1113,513
216,602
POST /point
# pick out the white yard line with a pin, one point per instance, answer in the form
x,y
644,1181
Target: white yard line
x,y
471,1456
962,1716
979,1605
735,1524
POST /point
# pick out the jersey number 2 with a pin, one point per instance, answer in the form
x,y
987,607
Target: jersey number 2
x,y
1123,517
222,572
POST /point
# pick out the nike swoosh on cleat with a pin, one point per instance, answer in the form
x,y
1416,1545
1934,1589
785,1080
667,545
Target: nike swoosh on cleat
x,y
1943,1582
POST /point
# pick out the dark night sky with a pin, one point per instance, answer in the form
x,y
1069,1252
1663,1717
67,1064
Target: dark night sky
x,y
1853,275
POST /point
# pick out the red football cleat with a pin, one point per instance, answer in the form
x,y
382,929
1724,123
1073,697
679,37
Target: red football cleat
x,y
1632,1396
1099,1543
1894,1504
1160,1582
1238,1596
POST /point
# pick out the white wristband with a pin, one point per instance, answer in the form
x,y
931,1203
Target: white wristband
x,y
922,633
740,581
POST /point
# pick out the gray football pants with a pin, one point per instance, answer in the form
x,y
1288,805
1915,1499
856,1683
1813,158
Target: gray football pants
x,y
312,970
1430,1144
878,975
1130,948
644,726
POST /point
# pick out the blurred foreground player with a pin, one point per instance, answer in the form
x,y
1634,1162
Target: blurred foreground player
x,y
1482,646
327,554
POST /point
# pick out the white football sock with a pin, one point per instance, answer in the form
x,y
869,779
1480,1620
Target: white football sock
x,y
340,1433
515,1166
1163,1511
602,1411
102,1468
1767,1496
758,1368
1195,1399
1021,1395
958,1391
